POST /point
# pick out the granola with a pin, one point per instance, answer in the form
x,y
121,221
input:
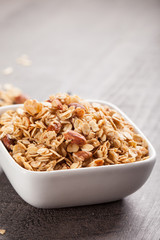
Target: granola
x,y
11,95
66,132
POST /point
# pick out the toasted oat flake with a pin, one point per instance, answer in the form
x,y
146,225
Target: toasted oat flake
x,y
88,147
72,147
2,231
74,165
97,162
66,132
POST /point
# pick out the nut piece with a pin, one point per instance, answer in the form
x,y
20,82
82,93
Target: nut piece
x,y
7,142
82,155
20,99
56,104
56,126
75,137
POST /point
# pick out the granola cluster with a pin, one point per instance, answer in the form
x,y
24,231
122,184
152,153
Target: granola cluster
x,y
11,95
66,132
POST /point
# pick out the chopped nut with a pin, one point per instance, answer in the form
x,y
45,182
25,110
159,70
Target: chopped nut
x,y
82,155
56,126
75,137
7,142
20,99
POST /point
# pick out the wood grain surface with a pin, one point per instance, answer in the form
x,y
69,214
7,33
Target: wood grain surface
x,y
108,50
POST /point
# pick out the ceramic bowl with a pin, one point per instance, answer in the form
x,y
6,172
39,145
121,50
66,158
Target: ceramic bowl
x,y
75,187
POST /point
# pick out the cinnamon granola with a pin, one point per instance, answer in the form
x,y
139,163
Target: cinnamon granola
x,y
66,132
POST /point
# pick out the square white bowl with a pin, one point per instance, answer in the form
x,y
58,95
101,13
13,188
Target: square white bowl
x,y
75,187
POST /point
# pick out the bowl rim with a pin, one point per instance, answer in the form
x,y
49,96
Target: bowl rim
x,y
13,163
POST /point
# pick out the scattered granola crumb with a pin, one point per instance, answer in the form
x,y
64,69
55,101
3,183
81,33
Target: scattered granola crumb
x,y
47,136
2,231
7,71
24,60
10,95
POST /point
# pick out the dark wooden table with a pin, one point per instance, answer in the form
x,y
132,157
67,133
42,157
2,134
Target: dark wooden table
x,y
108,50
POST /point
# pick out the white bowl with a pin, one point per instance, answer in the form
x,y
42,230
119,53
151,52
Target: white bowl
x,y
77,187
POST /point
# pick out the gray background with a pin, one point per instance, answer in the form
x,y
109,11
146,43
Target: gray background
x,y
108,50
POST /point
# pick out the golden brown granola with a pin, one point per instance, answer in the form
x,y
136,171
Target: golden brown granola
x,y
66,132
11,95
